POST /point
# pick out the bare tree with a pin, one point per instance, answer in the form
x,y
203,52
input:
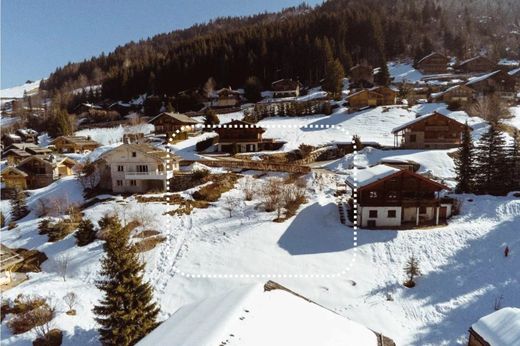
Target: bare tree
x,y
230,204
272,195
42,318
62,264
71,299
248,187
491,108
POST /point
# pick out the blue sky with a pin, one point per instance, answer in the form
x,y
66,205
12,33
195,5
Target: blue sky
x,y
40,35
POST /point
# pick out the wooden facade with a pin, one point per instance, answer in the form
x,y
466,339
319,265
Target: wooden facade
x,y
477,64
362,76
431,131
239,136
286,88
226,98
14,179
365,98
169,123
74,144
498,83
389,95
458,93
433,63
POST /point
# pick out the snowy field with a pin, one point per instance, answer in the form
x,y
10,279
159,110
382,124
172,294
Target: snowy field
x,y
111,135
18,91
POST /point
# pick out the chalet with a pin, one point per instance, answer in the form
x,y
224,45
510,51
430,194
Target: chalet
x,y
136,168
433,63
240,136
169,123
286,88
365,98
225,98
462,94
28,135
13,179
86,107
392,197
500,328
10,138
9,259
497,83
477,64
361,76
15,156
389,95
260,314
43,170
430,131
74,144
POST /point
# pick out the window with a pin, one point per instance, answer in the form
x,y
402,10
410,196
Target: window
x,y
392,214
119,183
373,194
133,182
142,168
120,168
413,138
422,210
134,154
392,195
372,213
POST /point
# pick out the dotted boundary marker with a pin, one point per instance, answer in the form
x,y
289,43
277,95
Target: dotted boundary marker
x,y
355,227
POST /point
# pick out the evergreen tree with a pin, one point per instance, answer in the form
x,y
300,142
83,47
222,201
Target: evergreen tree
x,y
334,75
491,163
126,312
2,220
514,162
18,206
253,89
62,123
411,269
86,233
211,118
383,76
464,163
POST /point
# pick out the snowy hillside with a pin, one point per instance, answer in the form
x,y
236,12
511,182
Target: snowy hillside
x,y
18,91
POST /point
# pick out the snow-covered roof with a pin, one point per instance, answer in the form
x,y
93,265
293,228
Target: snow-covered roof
x,y
472,59
513,72
254,316
474,80
500,328
430,55
367,176
177,116
418,119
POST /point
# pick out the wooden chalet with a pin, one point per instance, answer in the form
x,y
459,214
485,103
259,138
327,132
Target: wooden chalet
x,y
13,179
361,76
28,135
430,131
391,197
462,94
9,259
226,98
74,144
389,95
499,83
500,328
433,63
15,156
43,170
169,123
365,98
10,138
477,64
240,136
286,88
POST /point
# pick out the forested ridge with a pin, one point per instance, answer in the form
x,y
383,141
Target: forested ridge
x,y
292,43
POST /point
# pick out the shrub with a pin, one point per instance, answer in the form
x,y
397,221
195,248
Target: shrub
x,y
60,230
30,312
149,243
147,233
212,192
52,338
12,225
44,226
200,174
86,233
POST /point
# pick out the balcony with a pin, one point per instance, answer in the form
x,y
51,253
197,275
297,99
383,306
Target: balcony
x,y
158,175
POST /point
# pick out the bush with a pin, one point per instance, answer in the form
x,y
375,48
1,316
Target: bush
x,y
60,230
30,312
12,225
86,233
44,226
52,338
212,192
149,243
200,174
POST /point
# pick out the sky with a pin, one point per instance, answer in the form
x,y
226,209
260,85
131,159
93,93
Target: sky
x,y
37,36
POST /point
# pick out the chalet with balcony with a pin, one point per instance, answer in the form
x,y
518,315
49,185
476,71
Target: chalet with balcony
x,y
136,168
478,64
501,327
225,98
74,144
169,123
286,88
433,63
394,198
499,83
462,94
240,136
361,76
15,156
430,131
43,170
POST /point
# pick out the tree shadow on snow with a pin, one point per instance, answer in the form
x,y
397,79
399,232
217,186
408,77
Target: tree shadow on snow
x,y
81,336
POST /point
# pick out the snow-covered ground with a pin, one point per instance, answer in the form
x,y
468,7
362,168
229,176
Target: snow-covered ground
x,y
18,91
113,135
404,72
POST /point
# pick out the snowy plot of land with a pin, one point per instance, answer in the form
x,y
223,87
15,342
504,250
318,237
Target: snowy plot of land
x,y
18,91
113,135
404,72
463,266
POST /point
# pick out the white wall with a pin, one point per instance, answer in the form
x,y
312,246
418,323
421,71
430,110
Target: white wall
x,y
382,219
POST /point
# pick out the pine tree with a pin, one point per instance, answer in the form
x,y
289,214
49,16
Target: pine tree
x,y
464,163
514,162
411,269
334,75
18,206
383,76
491,163
126,313
252,89
86,233
211,118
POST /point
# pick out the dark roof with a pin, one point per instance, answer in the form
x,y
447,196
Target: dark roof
x,y
431,55
421,118
79,140
177,116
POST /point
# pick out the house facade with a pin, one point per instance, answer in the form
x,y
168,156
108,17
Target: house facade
x,y
286,88
43,170
74,144
477,64
168,123
430,131
239,136
14,179
499,83
433,63
392,197
462,94
136,168
389,95
226,98
365,98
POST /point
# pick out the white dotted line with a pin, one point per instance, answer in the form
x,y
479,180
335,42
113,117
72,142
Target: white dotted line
x,y
237,276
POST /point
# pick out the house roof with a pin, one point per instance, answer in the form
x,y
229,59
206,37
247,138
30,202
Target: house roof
x,y
177,116
436,95
8,257
15,170
78,140
473,59
483,77
419,119
257,315
500,328
17,152
146,149
430,55
362,91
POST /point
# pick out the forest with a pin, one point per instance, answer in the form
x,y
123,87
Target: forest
x,y
292,44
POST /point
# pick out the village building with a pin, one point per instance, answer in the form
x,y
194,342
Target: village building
x,y
516,75
136,168
497,83
15,156
500,328
86,107
261,315
430,131
389,95
74,144
461,94
169,123
13,179
225,98
361,76
286,88
10,138
9,259
433,63
376,96
240,136
477,64
28,135
43,170
391,197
